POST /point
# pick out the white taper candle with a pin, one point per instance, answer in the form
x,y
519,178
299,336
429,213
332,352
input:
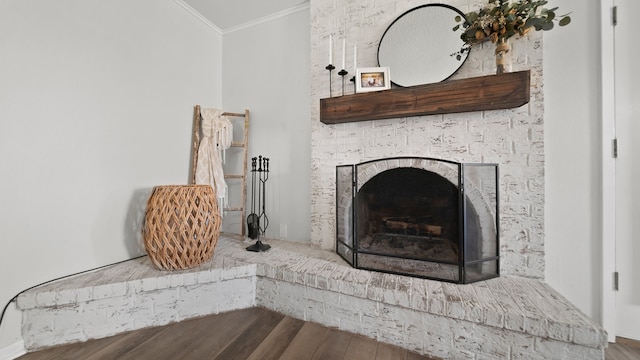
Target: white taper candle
x,y
344,52
355,58
330,49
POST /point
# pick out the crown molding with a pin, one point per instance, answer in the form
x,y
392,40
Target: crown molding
x,y
199,16
267,18
248,24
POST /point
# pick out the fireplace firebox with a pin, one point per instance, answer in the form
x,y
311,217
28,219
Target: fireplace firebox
x,y
420,217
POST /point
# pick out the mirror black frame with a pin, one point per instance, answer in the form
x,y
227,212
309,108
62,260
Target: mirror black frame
x,y
453,56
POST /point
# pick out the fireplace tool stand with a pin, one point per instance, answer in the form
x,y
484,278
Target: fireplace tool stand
x,y
257,224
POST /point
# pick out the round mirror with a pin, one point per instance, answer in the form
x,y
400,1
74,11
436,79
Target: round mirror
x,y
420,46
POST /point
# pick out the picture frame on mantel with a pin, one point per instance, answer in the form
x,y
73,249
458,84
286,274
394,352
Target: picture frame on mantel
x,y
372,79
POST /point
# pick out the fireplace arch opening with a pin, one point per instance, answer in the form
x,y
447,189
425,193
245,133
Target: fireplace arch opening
x,y
413,216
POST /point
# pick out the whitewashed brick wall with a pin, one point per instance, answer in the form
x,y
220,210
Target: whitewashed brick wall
x,y
512,138
130,296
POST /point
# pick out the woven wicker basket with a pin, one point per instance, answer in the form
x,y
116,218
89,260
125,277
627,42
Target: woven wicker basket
x,y
182,226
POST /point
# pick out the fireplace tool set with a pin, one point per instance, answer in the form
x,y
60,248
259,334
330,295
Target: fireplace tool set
x,y
257,223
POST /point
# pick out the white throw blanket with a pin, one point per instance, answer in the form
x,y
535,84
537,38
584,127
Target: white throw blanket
x,y
217,135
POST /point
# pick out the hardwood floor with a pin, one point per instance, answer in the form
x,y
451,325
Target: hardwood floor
x,y
623,349
252,334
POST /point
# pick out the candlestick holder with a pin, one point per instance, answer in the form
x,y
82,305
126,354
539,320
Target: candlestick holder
x,y
343,73
330,68
353,80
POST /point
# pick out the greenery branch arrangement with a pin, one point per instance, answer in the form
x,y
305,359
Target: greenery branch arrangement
x,y
500,20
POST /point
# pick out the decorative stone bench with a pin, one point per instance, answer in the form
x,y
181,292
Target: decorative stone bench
x,y
502,318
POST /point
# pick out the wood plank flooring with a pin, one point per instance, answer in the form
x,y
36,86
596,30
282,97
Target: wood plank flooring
x,y
252,334
623,349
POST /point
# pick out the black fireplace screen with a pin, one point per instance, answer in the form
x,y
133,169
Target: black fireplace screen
x,y
420,217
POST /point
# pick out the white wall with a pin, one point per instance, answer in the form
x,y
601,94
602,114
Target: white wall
x,y
266,70
96,106
572,141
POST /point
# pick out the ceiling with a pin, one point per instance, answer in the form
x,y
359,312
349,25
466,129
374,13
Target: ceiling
x,y
226,14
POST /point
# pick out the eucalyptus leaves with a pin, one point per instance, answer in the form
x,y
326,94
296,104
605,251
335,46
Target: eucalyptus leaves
x,y
502,19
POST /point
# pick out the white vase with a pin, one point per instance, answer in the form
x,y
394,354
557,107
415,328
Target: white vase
x,y
503,56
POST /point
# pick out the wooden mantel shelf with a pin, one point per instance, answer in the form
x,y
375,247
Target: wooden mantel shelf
x,y
492,92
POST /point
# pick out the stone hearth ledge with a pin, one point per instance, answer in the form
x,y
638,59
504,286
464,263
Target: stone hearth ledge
x,y
501,318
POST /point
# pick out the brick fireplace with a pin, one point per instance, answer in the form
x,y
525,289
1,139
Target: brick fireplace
x,y
512,138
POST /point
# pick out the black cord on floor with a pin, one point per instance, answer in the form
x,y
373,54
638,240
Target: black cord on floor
x,y
60,278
